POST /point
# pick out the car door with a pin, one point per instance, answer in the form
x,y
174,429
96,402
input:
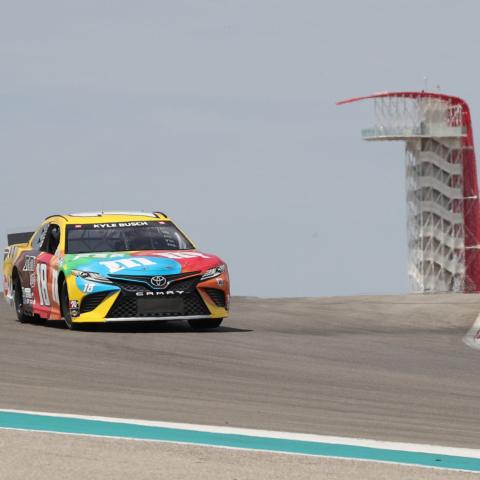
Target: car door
x,y
26,264
45,289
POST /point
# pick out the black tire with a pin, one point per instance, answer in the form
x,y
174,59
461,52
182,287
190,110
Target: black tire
x,y
22,317
64,303
205,323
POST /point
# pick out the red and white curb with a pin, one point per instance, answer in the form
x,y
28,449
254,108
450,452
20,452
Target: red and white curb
x,y
472,338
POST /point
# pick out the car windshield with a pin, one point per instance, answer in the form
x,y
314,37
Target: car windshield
x,y
121,237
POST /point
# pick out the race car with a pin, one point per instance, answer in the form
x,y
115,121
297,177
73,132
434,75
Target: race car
x,y
88,268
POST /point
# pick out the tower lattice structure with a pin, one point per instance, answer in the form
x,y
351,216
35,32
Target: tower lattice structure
x,y
443,209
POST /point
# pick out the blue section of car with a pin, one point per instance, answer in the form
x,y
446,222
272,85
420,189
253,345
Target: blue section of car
x,y
128,265
88,286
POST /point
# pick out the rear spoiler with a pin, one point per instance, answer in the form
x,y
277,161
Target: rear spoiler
x,y
22,237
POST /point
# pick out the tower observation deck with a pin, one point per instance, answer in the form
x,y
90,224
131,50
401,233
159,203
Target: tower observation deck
x,y
443,209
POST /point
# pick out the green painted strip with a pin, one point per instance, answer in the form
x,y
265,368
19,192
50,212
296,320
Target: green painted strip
x,y
81,426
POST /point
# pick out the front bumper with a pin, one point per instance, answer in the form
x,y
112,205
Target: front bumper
x,y
126,300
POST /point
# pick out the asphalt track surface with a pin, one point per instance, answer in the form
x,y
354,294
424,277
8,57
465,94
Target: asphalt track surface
x,y
388,368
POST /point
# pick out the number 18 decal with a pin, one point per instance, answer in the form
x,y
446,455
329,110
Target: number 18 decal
x,y
55,286
42,284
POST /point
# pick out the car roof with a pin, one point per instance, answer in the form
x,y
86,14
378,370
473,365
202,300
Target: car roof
x,y
106,217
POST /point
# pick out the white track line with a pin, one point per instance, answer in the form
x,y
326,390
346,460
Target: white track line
x,y
361,442
472,338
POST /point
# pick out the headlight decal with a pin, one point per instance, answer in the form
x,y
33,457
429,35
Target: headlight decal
x,y
92,276
213,272
92,282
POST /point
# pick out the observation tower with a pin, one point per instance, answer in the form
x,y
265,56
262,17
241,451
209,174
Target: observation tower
x,y
443,209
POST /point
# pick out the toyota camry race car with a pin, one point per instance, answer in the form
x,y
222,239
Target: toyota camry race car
x,y
113,267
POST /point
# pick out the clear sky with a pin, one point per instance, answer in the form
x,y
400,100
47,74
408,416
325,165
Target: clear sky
x,y
222,114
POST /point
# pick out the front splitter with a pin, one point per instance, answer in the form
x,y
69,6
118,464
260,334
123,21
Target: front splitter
x,y
156,319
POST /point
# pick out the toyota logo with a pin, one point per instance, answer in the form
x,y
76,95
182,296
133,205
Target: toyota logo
x,y
159,281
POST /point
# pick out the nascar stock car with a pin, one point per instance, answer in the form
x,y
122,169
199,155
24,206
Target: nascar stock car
x,y
112,267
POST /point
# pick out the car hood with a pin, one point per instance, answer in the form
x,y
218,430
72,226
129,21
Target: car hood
x,y
133,263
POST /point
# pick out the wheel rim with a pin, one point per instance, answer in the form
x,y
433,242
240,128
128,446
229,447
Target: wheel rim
x,y
18,298
64,301
65,310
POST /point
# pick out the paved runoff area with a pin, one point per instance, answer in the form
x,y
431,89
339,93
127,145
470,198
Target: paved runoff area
x,y
388,369
33,456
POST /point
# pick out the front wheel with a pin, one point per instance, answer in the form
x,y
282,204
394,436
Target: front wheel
x,y
64,303
205,323
22,317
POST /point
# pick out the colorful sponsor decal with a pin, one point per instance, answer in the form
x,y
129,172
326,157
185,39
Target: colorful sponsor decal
x,y
115,266
29,265
74,308
27,295
128,263
11,252
180,255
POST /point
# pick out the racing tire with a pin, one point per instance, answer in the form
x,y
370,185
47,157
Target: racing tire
x,y
22,317
205,323
64,303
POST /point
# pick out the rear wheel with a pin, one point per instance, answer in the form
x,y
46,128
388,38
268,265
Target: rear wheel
x,y
64,303
205,323
22,317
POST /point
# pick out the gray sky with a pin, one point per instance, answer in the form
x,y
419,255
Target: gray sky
x,y
222,114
